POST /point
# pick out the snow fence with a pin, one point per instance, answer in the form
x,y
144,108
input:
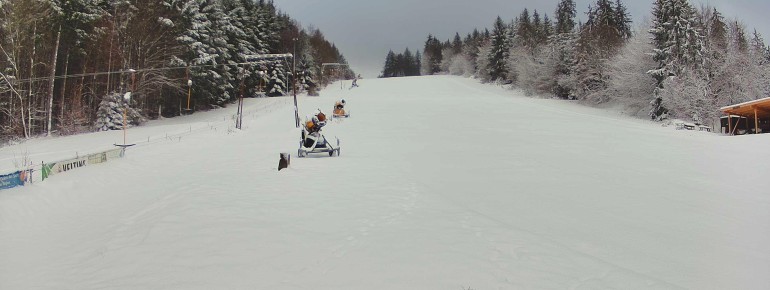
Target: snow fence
x,y
46,170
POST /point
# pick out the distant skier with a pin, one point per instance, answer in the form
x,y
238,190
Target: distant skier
x,y
355,82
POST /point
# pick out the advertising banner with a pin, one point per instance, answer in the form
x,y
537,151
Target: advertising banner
x,y
114,153
67,165
11,180
63,166
97,158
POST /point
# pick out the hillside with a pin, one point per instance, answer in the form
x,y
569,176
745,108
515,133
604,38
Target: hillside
x,y
442,183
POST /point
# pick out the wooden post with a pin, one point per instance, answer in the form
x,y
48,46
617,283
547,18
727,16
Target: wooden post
x,y
125,108
736,125
747,125
729,124
756,121
284,161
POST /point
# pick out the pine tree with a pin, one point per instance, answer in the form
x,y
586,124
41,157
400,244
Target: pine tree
x,y
277,85
525,32
563,47
417,64
408,63
740,40
237,33
483,59
622,20
603,35
564,65
390,65
269,26
208,44
432,52
538,35
565,16
547,29
603,28
457,44
678,45
110,113
498,57
759,49
306,66
717,33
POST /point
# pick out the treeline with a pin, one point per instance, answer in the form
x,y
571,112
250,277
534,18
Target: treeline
x,y
686,64
403,64
65,64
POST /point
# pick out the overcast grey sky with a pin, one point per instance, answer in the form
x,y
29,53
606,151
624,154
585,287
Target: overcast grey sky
x,y
365,30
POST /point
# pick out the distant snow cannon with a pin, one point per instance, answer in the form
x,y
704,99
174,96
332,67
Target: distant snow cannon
x,y
339,110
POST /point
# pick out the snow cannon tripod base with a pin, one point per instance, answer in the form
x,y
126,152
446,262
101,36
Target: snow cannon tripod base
x,y
317,143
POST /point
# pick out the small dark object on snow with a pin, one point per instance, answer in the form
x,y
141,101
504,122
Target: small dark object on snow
x,y
284,162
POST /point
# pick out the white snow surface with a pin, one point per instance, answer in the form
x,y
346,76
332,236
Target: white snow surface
x,y
442,183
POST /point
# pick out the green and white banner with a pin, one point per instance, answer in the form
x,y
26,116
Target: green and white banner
x,y
114,153
63,166
67,165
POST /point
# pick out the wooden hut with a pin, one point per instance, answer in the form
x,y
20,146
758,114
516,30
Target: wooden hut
x,y
747,118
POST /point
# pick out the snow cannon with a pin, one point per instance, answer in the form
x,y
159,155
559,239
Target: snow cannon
x,y
317,143
339,110
312,141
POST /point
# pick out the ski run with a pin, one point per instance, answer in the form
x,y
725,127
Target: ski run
x,y
442,183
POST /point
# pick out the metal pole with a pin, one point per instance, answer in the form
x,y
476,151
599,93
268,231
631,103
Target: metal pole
x,y
239,122
294,82
124,124
189,89
127,100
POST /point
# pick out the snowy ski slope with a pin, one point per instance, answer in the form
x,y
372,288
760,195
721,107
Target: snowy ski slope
x,y
442,183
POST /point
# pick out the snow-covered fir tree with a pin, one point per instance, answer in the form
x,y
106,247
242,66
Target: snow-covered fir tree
x,y
483,60
432,56
240,34
523,32
457,44
109,116
208,50
417,65
277,84
269,26
306,67
562,50
677,46
565,16
623,20
390,65
547,29
498,56
205,41
400,65
563,62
